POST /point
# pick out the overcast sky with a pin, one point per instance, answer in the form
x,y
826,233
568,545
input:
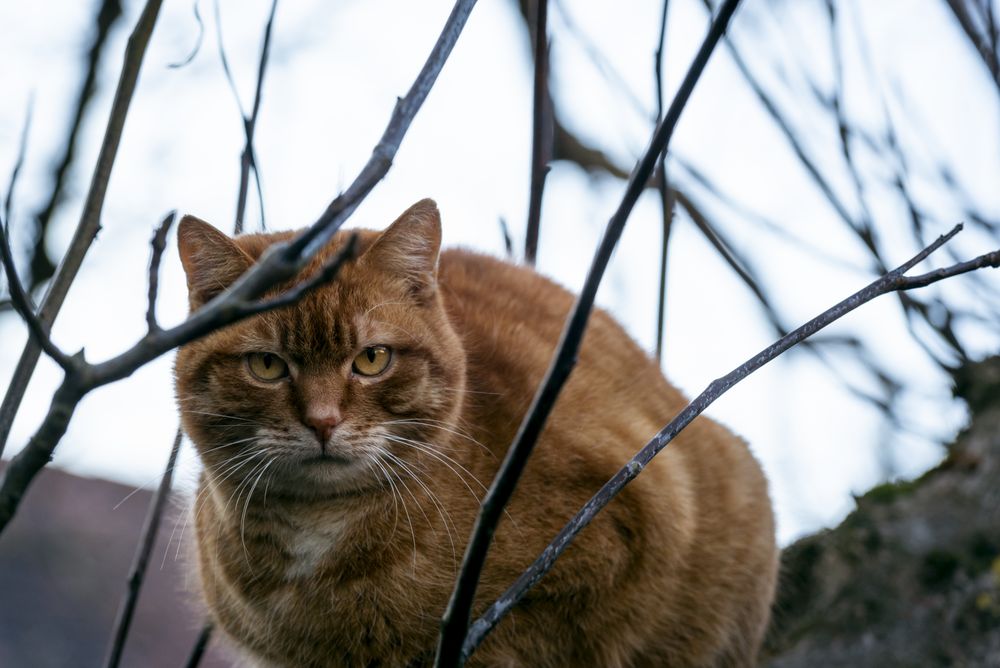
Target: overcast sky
x,y
335,71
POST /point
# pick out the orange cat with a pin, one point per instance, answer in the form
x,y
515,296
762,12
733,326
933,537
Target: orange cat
x,y
347,439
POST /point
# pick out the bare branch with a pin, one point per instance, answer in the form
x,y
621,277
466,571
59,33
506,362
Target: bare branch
x,y
508,242
541,133
197,42
248,159
141,559
663,188
455,623
90,219
24,307
22,149
890,282
158,243
863,232
923,280
200,645
325,275
982,47
108,14
378,165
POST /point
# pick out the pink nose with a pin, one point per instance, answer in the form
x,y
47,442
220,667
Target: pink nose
x,y
323,424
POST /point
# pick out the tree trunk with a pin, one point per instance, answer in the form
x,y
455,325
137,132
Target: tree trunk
x,y
912,576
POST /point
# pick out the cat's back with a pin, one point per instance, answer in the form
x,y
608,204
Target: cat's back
x,y
691,538
510,319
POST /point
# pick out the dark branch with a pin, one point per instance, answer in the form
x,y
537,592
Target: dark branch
x,y
22,150
456,619
199,646
90,218
541,134
923,280
197,42
24,307
382,156
141,560
508,242
863,232
893,281
159,243
663,188
325,275
248,159
108,13
979,43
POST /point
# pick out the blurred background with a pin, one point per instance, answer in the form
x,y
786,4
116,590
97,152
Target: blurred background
x,y
827,141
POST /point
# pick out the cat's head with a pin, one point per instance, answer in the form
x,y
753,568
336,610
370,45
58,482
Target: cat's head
x,y
355,381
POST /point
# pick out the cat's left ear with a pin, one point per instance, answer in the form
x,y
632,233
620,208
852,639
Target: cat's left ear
x,y
408,249
212,261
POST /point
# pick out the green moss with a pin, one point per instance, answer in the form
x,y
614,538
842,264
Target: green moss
x,y
888,492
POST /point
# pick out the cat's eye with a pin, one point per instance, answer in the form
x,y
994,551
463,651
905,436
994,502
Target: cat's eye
x,y
372,360
267,366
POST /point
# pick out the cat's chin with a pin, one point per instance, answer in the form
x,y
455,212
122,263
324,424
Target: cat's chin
x,y
323,475
327,459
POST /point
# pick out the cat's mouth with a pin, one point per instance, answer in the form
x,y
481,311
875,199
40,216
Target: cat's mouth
x,y
327,457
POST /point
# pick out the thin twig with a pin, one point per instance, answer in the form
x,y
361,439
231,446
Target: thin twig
x,y
742,269
248,159
226,70
865,234
541,135
663,188
982,47
108,14
90,218
325,275
141,560
280,263
605,67
159,243
402,115
197,42
893,281
22,150
25,308
200,644
454,625
8,206
508,242
723,248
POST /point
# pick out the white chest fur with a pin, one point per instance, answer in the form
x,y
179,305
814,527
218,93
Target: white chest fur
x,y
309,546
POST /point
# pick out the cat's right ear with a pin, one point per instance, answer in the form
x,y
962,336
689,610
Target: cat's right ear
x,y
212,261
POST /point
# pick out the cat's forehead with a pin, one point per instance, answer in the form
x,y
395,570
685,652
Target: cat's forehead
x,y
334,322
255,244
357,308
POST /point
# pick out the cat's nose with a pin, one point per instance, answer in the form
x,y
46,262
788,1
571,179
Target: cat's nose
x,y
323,424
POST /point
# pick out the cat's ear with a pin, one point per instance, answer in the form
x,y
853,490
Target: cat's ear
x,y
408,249
212,261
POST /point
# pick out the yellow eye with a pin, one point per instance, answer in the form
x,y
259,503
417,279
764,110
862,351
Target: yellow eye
x,y
267,366
372,360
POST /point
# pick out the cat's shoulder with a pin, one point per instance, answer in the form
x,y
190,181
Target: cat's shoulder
x,y
458,266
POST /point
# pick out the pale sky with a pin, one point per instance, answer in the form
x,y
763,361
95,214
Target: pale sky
x,y
335,72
